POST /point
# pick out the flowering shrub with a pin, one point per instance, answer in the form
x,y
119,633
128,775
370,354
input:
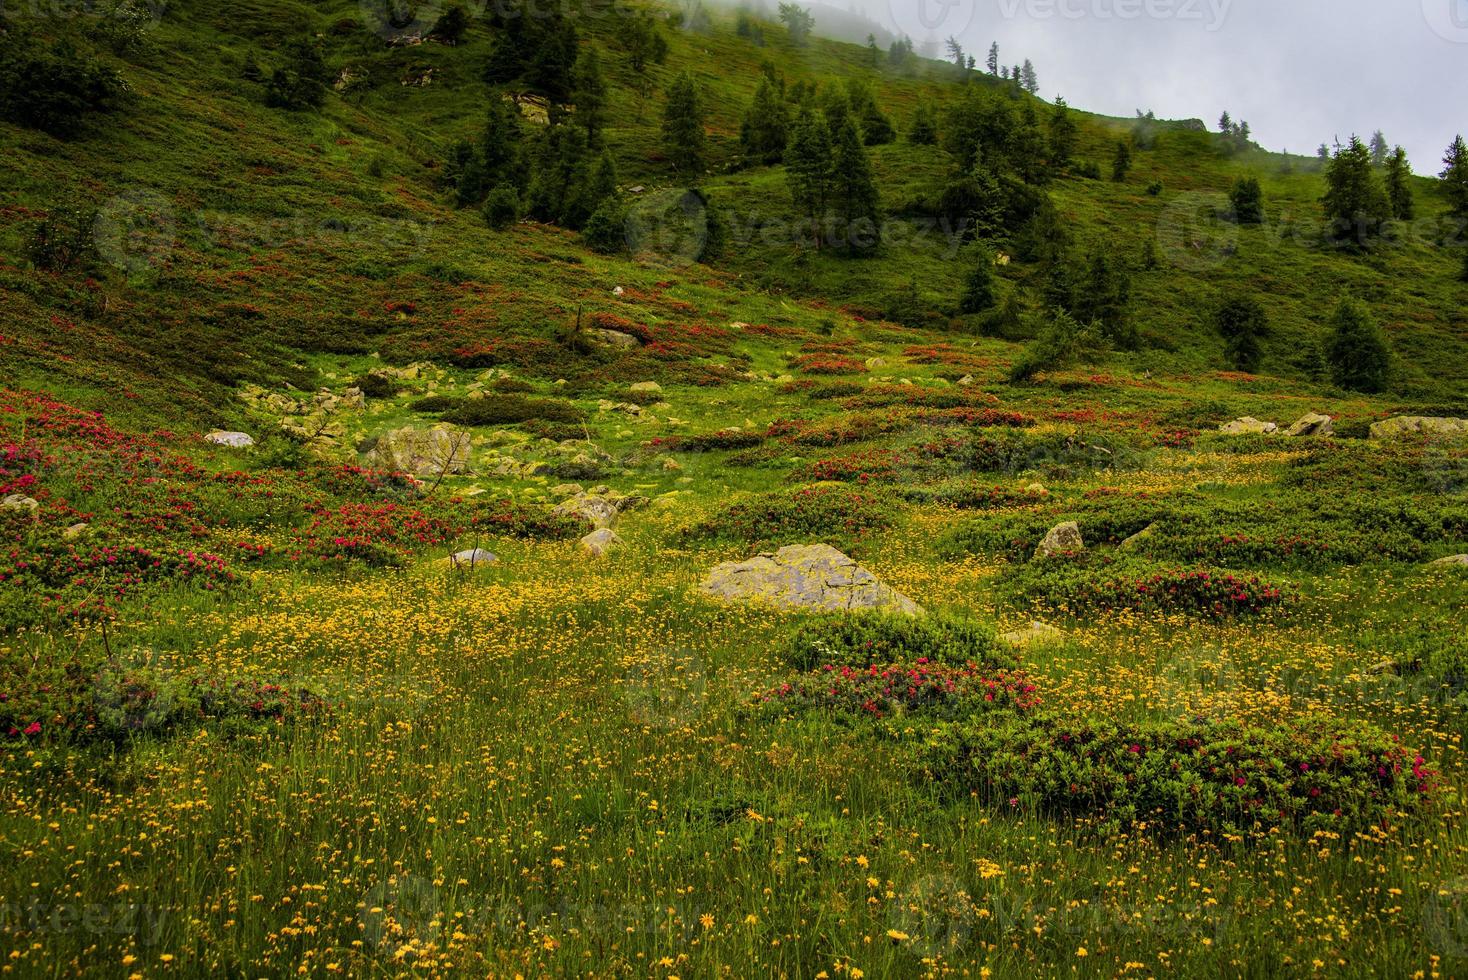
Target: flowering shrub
x,y
1082,584
1182,777
879,692
835,515
375,535
865,639
827,364
507,519
708,441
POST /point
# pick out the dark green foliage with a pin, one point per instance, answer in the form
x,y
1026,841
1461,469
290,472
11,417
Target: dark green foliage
x,y
643,42
876,128
606,229
683,136
798,23
1242,324
924,130
1398,189
978,287
502,207
1356,350
1063,342
589,92
1099,293
451,25
836,516
65,239
881,639
300,83
808,167
1356,205
506,409
375,385
54,87
766,126
1180,777
537,46
1455,178
1063,135
1246,201
1121,161
854,199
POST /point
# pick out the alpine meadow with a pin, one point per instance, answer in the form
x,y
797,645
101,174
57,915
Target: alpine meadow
x,y
623,488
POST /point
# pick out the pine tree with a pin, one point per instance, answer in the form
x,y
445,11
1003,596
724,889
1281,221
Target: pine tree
x,y
1121,162
854,197
1242,324
978,287
683,138
808,167
1246,200
955,51
993,62
1226,124
1398,187
1062,135
1379,149
924,131
766,126
1355,203
798,23
589,92
300,84
1464,274
1028,81
874,53
1355,349
1455,178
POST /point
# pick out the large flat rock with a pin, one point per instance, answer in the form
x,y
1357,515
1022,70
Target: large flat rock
x,y
806,576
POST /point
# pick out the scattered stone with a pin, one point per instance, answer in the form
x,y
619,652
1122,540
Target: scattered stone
x,y
474,558
966,380
74,532
811,576
1403,425
1061,539
600,511
876,362
1248,425
600,541
613,338
1037,488
646,386
1141,536
421,452
234,440
1035,634
1311,424
19,501
618,291
1460,561
564,490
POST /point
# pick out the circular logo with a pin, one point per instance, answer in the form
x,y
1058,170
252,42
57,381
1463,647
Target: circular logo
x,y
132,699
668,227
402,912
1445,918
1192,236
135,231
400,20
936,916
1445,463
1447,18
669,689
931,19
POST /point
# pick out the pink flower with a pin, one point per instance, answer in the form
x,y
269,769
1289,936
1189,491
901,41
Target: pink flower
x,y
33,728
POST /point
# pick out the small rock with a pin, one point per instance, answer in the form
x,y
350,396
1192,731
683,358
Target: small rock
x,y
474,558
613,338
74,532
234,440
1129,543
1247,425
1035,634
618,291
19,501
1418,424
1311,424
966,380
812,576
646,386
1459,561
600,541
1061,539
601,512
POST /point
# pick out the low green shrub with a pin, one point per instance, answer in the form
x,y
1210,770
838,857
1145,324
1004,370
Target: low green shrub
x,y
1098,584
931,690
879,639
839,517
507,409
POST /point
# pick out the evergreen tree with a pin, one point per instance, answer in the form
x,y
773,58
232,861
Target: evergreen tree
x,y
873,53
1242,324
1104,297
808,167
683,138
1355,203
302,82
924,131
798,23
1356,350
1464,274
1062,135
1226,124
1121,163
502,207
606,229
978,287
766,126
1398,186
1246,200
643,42
499,146
1379,149
955,51
1455,178
451,25
589,92
876,129
854,197
1028,81
993,62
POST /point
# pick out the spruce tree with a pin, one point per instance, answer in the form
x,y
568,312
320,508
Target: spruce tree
x,y
1398,187
993,62
1246,200
1242,324
798,23
1356,350
683,138
854,196
1355,202
1028,81
808,167
924,131
1121,162
1379,149
978,287
1455,178
589,92
766,126
1062,135
499,146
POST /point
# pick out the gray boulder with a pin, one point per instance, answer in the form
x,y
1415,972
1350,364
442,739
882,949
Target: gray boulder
x,y
1311,424
234,440
810,576
1403,425
1060,539
599,542
421,452
1248,425
474,558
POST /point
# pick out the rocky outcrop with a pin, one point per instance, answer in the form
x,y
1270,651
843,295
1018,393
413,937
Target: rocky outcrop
x,y
234,440
1061,539
1311,424
810,576
1406,425
1452,561
599,542
474,558
1035,634
1248,425
442,449
20,502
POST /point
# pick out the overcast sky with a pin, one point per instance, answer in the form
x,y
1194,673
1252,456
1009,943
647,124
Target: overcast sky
x,y
1300,71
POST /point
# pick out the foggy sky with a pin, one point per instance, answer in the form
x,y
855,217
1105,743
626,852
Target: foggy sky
x,y
1302,72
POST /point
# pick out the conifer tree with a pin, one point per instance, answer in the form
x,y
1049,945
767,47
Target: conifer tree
x,y
683,138
808,167
854,198
978,287
993,62
1398,187
1121,163
589,92
1356,350
1242,324
1355,202
1062,135
924,131
766,126
1455,178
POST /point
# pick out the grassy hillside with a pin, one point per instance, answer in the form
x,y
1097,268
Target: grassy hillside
x,y
254,721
